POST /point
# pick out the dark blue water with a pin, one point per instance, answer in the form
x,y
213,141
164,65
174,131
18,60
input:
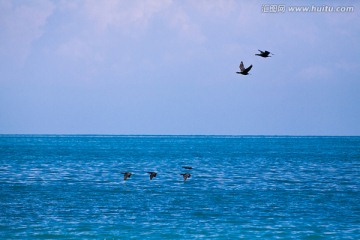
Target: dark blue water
x,y
71,187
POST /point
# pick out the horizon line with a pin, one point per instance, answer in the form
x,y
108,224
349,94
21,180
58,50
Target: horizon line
x,y
169,135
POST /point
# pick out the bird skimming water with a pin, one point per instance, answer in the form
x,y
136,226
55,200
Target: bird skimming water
x,y
186,176
127,175
152,175
187,167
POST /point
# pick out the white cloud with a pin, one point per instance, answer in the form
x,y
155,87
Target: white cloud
x,y
137,15
21,23
99,22
74,48
214,7
183,23
114,13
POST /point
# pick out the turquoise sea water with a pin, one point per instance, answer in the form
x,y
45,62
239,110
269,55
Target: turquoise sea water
x,y
242,187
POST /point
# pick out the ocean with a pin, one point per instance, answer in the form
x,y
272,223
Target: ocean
x,y
241,187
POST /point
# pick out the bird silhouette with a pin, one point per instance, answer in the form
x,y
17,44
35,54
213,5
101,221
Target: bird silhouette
x,y
152,174
243,70
127,175
187,167
186,175
264,54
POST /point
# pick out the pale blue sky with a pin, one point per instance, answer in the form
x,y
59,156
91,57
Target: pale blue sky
x,y
168,67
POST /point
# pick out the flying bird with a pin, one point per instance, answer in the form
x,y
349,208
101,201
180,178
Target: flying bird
x,y
243,70
186,175
264,54
152,175
187,167
127,175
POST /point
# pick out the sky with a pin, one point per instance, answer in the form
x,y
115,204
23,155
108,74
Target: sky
x,y
169,67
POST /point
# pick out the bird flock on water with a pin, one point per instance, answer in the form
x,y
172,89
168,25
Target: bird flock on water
x,y
245,71
154,174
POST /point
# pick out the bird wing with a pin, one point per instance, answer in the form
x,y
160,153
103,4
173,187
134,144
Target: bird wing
x,y
241,66
152,175
247,69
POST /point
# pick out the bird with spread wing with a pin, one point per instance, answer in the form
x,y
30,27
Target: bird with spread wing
x,y
264,54
243,70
